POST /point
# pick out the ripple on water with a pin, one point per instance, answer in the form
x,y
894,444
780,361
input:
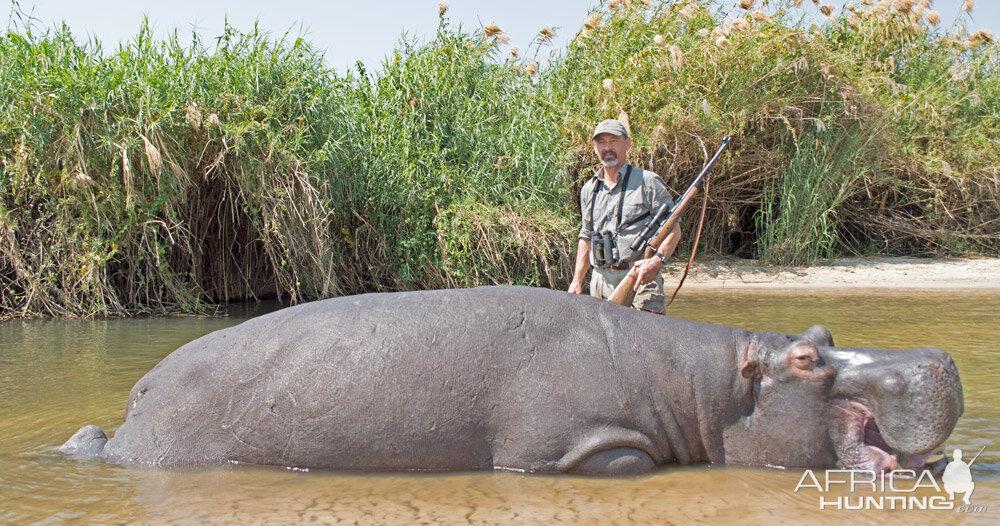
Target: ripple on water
x,y
56,376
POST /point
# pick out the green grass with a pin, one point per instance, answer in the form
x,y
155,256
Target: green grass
x,y
167,176
449,136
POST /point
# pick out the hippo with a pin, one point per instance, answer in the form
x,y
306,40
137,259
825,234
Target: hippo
x,y
527,380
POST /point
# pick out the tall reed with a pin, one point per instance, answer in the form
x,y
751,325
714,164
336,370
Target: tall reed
x,y
904,116
452,169
167,176
160,177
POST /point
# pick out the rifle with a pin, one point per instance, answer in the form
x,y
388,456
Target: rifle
x,y
658,228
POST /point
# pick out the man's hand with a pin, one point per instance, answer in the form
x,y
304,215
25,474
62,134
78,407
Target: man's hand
x,y
576,287
648,268
647,271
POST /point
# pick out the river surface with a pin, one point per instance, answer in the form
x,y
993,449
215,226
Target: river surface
x,y
57,375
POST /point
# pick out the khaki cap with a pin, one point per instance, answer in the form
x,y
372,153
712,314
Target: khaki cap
x,y
612,126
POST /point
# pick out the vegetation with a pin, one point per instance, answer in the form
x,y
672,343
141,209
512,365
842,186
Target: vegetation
x,y
873,134
169,176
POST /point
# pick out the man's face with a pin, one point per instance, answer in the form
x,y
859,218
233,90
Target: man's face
x,y
611,149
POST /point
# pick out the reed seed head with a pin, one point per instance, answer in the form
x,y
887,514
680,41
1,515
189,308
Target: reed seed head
x,y
676,56
492,29
933,17
442,8
745,4
737,25
152,156
192,116
546,33
968,5
80,180
592,21
623,118
983,36
659,40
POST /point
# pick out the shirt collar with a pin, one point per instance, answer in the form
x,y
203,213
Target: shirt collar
x,y
619,179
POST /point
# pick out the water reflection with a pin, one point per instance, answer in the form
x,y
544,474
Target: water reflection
x,y
58,375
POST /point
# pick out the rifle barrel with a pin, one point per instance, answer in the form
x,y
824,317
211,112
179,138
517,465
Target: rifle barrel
x,y
662,214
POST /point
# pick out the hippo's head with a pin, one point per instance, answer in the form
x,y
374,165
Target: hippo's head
x,y
814,405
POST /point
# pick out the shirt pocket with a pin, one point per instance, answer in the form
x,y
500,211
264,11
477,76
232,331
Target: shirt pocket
x,y
633,213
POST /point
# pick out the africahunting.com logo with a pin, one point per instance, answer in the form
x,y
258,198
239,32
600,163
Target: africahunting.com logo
x,y
901,489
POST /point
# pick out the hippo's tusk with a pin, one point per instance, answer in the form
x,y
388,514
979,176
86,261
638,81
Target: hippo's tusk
x,y
934,458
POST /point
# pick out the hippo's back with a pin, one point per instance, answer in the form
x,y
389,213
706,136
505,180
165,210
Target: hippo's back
x,y
419,380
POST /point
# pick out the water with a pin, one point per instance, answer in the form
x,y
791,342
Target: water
x,y
58,375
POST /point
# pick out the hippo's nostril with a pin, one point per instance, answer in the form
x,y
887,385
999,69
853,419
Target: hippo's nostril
x,y
893,383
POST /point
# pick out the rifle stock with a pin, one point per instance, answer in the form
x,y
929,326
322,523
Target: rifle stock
x,y
624,293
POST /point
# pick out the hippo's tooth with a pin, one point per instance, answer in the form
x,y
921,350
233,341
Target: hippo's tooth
x,y
934,457
901,461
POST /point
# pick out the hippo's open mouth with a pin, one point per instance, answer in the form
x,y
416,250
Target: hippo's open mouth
x,y
859,444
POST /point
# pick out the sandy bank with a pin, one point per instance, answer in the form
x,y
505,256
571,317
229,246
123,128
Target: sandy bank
x,y
879,274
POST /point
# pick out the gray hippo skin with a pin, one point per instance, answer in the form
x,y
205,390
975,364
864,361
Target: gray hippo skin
x,y
525,379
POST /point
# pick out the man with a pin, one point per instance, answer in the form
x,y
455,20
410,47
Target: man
x,y
616,204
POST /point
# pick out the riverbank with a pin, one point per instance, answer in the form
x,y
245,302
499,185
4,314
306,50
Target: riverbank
x,y
876,274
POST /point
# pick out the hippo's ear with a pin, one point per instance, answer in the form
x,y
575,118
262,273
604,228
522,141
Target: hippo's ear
x,y
752,370
819,335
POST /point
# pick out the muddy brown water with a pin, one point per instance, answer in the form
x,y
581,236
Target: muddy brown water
x,y
60,374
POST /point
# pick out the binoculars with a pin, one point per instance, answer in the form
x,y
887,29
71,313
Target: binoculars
x,y
604,249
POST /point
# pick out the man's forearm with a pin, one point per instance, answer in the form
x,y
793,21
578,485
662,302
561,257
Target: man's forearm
x,y
669,244
582,265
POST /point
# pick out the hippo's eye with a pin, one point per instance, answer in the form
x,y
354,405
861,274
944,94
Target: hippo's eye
x,y
804,362
802,356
